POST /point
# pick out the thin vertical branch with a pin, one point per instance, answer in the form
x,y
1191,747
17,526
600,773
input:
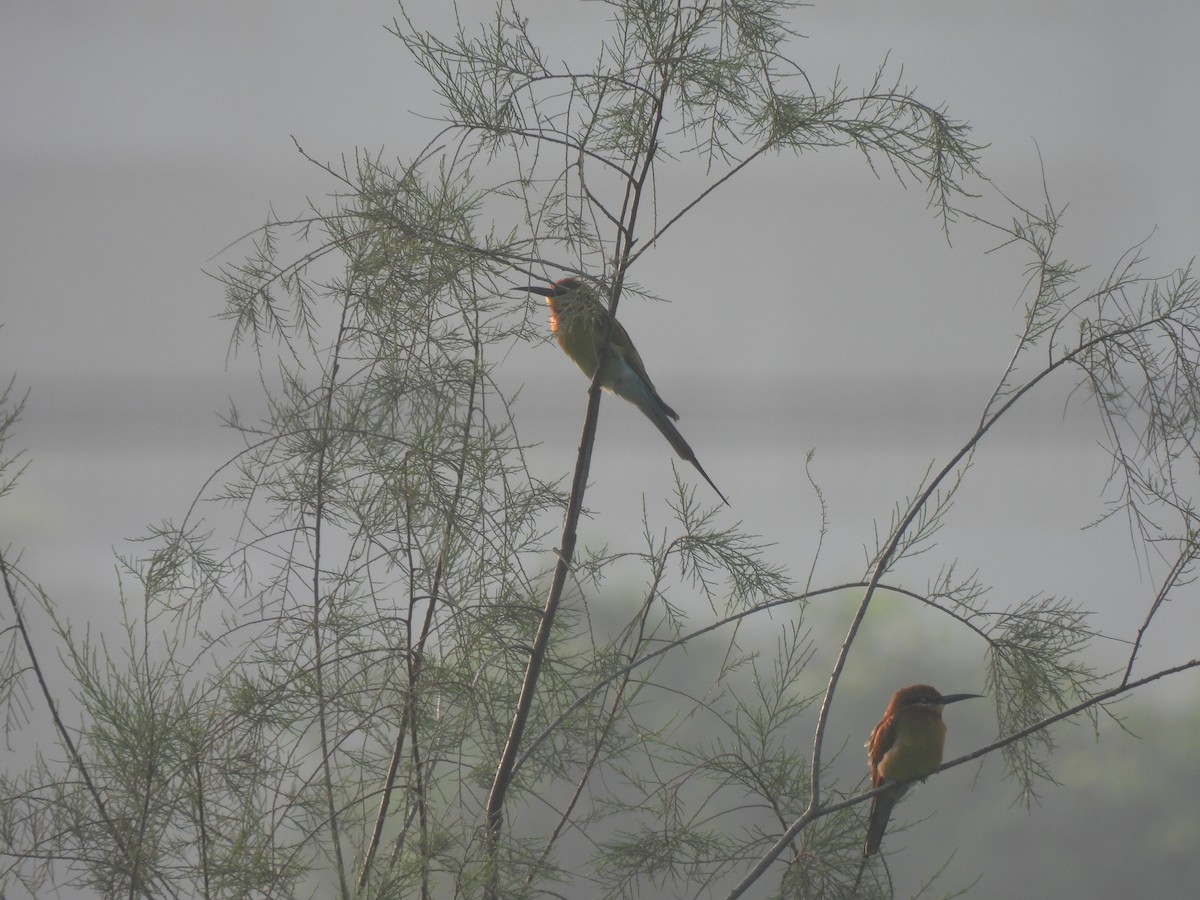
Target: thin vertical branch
x,y
622,680
324,427
202,824
537,652
566,550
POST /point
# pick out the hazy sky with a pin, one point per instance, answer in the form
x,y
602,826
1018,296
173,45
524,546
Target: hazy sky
x,y
140,138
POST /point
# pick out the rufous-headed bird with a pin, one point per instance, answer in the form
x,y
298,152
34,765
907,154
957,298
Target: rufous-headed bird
x,y
905,746
578,320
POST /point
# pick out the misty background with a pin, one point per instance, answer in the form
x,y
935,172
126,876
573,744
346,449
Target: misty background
x,y
140,139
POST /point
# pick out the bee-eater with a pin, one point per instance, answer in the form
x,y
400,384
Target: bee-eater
x,y
905,746
578,319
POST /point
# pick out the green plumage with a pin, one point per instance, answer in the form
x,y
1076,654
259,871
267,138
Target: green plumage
x,y
579,322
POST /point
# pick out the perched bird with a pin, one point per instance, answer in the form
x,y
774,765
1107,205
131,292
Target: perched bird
x,y
578,319
905,746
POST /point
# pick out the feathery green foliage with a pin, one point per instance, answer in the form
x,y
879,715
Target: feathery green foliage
x,y
327,652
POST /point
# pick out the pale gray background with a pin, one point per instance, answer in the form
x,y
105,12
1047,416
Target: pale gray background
x,y
813,305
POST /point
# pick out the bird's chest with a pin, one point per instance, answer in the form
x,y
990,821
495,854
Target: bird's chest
x,y
917,750
578,331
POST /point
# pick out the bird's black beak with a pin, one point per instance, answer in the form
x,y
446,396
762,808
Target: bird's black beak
x,y
954,698
544,290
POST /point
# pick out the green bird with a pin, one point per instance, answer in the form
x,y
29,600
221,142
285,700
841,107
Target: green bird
x,y
578,320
